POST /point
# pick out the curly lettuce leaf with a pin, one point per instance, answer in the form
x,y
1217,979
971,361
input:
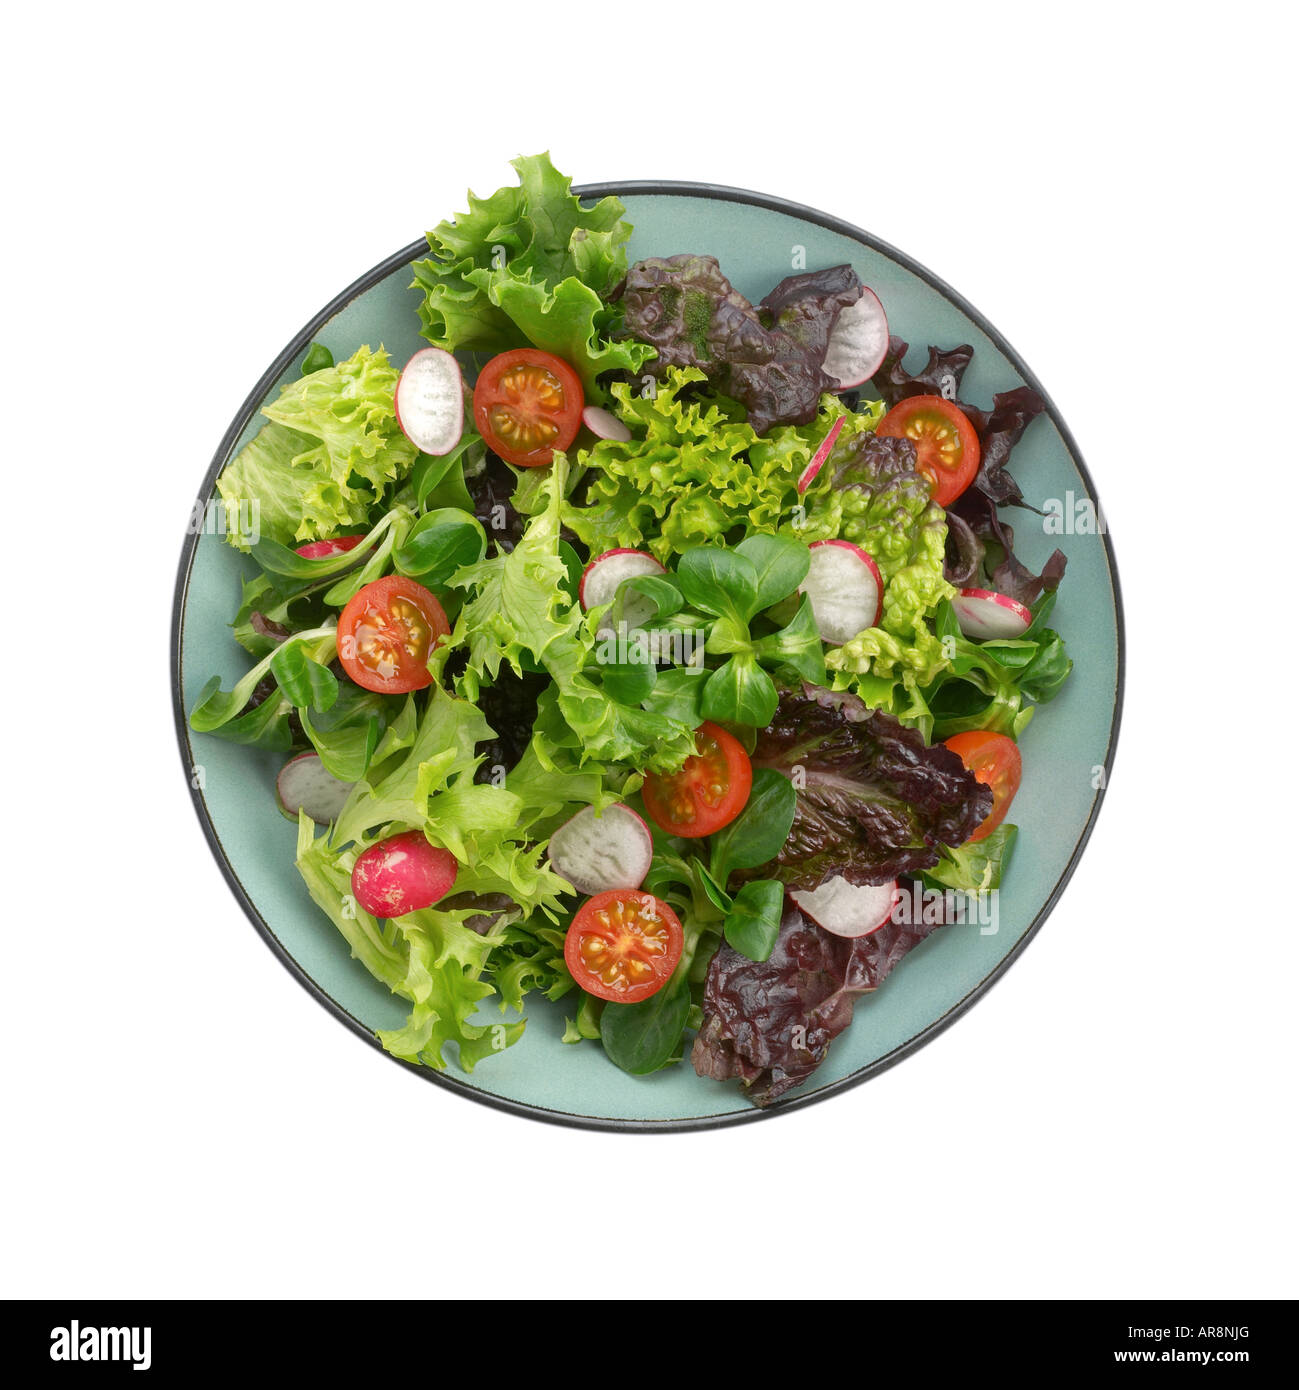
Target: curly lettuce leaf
x,y
522,612
429,958
330,451
875,498
694,471
531,265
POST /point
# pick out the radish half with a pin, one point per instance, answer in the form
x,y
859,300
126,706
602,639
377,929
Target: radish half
x,y
845,588
430,401
604,424
324,550
402,874
303,784
596,853
858,342
823,452
984,614
601,578
848,909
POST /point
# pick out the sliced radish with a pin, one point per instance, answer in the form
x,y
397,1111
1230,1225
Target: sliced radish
x,y
984,614
430,401
822,453
848,909
604,424
402,874
324,550
303,784
601,578
858,343
596,853
845,588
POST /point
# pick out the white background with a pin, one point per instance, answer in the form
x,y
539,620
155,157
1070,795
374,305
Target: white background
x,y
1115,190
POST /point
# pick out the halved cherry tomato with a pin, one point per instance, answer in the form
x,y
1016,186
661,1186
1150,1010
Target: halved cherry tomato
x,y
527,404
386,632
710,790
995,761
947,448
623,945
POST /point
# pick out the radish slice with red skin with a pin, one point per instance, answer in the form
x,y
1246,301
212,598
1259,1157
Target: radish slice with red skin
x,y
604,424
325,550
984,614
596,853
601,578
430,401
858,342
303,784
845,588
848,909
402,874
824,450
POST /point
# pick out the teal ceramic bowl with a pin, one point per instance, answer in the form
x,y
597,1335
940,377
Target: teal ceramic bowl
x,y
1067,749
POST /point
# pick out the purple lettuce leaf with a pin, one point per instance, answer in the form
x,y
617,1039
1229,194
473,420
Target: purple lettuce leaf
x,y
806,307
770,1023
997,566
768,358
873,799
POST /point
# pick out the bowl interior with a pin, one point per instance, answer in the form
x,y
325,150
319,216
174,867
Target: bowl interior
x,y
1065,748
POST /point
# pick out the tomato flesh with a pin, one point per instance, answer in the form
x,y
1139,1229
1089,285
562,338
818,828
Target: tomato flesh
x,y
623,945
708,793
996,762
386,633
527,404
947,447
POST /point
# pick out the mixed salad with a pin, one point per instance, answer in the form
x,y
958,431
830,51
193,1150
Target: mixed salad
x,y
635,645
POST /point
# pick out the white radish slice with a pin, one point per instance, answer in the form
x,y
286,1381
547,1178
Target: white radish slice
x,y
304,785
430,401
984,614
848,909
845,588
595,853
601,578
858,342
604,424
823,452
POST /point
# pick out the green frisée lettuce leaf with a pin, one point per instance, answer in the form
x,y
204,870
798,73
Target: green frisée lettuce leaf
x,y
875,498
695,470
331,449
432,787
681,480
531,265
522,612
429,958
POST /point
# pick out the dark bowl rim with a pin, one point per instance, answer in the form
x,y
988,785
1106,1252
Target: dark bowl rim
x,y
627,188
